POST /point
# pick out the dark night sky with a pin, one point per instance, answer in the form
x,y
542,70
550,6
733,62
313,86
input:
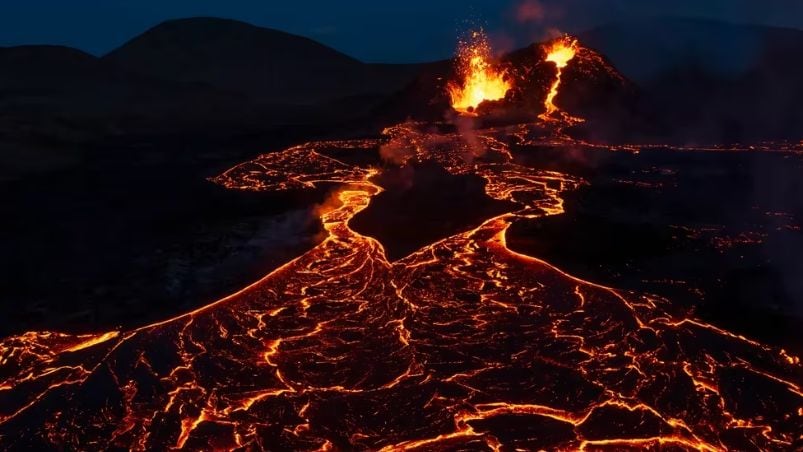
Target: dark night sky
x,y
393,31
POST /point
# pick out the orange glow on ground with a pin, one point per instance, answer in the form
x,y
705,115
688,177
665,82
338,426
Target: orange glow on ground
x,y
464,344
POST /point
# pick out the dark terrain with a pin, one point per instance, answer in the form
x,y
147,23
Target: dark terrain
x,y
423,204
709,82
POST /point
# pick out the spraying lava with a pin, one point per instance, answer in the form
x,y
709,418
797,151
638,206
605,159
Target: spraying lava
x,y
560,52
481,79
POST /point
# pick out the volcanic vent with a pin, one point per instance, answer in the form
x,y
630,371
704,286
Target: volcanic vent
x,y
558,81
480,79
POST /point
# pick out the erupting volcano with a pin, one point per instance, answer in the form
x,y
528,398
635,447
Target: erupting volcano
x,y
481,79
465,343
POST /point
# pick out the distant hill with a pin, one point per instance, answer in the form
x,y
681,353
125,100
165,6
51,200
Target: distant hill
x,y
54,77
52,97
63,95
27,65
646,49
708,81
267,65
62,77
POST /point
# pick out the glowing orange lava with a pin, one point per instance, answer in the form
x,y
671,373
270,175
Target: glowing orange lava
x,y
560,52
464,344
481,79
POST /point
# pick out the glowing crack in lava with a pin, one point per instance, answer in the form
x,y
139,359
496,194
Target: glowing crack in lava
x,y
481,80
559,52
462,345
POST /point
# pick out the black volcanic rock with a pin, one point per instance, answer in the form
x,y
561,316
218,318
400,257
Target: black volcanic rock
x,y
422,204
267,65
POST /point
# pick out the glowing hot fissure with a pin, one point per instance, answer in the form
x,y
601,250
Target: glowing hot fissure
x,y
560,52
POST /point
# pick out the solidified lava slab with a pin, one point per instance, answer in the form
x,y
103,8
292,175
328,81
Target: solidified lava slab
x,y
461,345
422,204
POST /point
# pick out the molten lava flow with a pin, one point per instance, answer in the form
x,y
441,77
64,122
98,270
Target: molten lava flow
x,y
481,80
560,52
463,345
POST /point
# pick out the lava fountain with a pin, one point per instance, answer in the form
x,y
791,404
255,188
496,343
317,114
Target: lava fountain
x,y
560,52
481,79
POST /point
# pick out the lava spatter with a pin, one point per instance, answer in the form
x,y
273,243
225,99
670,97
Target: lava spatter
x,y
463,344
481,79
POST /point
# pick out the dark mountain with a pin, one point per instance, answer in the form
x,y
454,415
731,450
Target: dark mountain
x,y
24,66
185,77
763,103
62,94
268,65
708,81
56,100
646,49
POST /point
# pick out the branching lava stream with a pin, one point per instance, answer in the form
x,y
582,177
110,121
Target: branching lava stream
x,y
462,345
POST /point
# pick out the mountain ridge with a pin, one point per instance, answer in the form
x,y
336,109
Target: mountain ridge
x,y
643,49
270,65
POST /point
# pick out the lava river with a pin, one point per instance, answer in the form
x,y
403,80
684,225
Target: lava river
x,y
462,345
